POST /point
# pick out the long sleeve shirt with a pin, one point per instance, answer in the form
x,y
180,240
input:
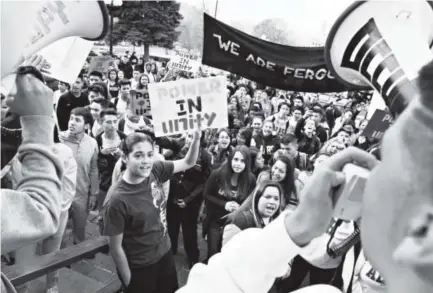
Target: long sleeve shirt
x,y
86,155
250,262
216,196
67,102
31,212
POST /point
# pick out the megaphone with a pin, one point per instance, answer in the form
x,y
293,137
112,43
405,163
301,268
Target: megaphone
x,y
383,45
29,26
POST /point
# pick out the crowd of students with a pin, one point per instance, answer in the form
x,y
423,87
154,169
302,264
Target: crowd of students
x,y
145,189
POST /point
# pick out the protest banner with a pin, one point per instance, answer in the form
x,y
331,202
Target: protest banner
x,y
184,105
378,124
65,58
185,62
101,63
284,67
140,103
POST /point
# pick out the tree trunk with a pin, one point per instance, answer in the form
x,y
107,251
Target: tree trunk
x,y
146,53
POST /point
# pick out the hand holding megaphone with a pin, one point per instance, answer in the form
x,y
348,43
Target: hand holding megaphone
x,y
314,213
30,96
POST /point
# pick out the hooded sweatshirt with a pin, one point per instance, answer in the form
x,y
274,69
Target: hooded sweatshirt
x,y
31,212
249,218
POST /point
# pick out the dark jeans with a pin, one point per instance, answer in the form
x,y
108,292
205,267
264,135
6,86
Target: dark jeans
x,y
160,277
214,238
187,218
300,269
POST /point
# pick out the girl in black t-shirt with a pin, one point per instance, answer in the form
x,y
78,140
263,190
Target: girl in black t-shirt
x,y
112,83
225,190
134,216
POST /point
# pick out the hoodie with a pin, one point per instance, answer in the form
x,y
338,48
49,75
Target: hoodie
x,y
248,217
31,212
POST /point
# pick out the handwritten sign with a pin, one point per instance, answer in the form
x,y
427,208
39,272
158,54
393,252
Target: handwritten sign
x,y
378,124
101,63
140,103
183,105
185,62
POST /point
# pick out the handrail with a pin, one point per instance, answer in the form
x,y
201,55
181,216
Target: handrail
x,y
44,264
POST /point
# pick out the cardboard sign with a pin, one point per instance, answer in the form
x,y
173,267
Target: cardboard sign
x,y
65,58
101,63
185,62
187,104
378,124
140,103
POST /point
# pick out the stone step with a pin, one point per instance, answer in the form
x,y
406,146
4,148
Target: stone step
x,y
70,281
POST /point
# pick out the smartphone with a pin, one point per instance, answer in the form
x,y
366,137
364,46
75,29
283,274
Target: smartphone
x,y
350,194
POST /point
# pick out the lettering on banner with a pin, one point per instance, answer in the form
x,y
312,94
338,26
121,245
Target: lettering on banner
x,y
45,18
261,62
229,45
307,73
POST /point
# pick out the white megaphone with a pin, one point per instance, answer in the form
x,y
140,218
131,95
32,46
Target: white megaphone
x,y
29,26
383,45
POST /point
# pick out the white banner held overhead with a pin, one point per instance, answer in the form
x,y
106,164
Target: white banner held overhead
x,y
184,105
65,58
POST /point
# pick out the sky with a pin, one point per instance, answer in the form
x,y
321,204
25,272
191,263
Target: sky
x,y
311,18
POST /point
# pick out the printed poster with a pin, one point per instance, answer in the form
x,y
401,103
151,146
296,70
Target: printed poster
x,y
184,105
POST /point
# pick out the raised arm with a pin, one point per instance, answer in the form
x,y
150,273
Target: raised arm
x,y
191,156
31,212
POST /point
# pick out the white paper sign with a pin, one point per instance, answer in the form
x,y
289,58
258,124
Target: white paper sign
x,y
65,58
101,63
185,62
183,105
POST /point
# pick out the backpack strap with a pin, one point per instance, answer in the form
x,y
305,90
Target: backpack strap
x,y
357,250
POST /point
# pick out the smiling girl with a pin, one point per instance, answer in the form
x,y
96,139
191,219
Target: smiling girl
x,y
282,172
222,150
134,216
